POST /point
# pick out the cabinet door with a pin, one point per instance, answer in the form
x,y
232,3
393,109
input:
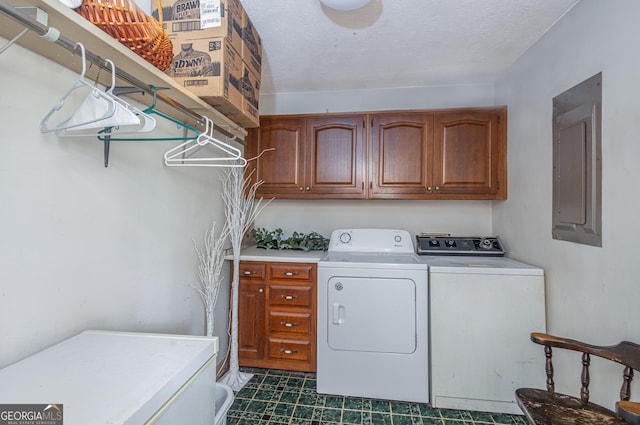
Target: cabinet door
x,y
469,153
251,315
400,150
335,156
281,169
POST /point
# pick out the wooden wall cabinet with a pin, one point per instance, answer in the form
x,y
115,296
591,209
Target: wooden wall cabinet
x,y
469,151
277,315
312,157
400,155
280,142
443,154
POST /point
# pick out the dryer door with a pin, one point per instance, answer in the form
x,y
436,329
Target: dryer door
x,y
371,314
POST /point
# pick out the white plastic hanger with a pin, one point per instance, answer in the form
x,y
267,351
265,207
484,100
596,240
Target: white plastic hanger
x,y
179,155
100,105
126,119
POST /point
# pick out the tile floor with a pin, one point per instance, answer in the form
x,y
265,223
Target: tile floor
x,y
274,397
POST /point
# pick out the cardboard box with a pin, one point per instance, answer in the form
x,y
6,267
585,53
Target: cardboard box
x,y
250,97
251,45
210,68
247,114
221,19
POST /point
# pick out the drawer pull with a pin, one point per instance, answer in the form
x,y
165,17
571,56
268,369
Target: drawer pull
x,y
249,272
288,352
288,325
288,297
290,273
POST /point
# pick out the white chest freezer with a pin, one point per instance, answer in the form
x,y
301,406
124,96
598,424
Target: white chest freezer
x,y
119,378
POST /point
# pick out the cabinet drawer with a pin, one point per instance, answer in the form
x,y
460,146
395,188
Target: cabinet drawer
x,y
291,323
289,349
299,296
288,271
252,270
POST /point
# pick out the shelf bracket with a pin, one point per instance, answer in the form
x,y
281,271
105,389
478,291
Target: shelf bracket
x,y
12,41
41,17
107,144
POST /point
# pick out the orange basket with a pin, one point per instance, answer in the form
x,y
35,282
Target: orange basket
x,y
125,22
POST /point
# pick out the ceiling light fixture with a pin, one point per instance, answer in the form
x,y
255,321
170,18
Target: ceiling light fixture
x,y
344,4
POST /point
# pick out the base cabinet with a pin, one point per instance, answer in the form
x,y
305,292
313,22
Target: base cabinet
x,y
276,311
251,307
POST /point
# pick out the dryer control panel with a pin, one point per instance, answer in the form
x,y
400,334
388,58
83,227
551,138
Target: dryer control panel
x,y
371,240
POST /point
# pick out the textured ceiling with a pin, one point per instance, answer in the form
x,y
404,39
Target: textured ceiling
x,y
394,43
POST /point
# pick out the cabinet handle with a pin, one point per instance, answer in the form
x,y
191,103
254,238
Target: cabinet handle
x,y
288,297
249,272
261,290
288,352
308,188
288,325
437,187
429,188
290,273
301,188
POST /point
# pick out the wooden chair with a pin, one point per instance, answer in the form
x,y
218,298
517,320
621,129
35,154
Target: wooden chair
x,y
542,407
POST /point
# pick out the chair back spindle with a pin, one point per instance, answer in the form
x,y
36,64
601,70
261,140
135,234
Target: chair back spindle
x,y
549,369
551,408
584,378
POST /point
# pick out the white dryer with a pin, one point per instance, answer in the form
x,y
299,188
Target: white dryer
x,y
373,318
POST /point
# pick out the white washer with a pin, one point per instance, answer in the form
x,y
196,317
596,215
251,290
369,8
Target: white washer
x,y
483,310
373,330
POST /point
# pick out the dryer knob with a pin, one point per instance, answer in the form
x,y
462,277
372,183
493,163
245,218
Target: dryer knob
x,y
345,237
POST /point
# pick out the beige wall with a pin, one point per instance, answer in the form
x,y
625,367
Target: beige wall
x,y
591,292
324,216
84,246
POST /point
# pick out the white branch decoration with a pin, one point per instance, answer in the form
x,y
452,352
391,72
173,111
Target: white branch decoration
x,y
210,262
241,212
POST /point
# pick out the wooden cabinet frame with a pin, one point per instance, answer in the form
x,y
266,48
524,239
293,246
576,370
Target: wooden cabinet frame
x,y
428,154
309,156
277,311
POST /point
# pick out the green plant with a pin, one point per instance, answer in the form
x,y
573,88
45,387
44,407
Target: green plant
x,y
266,239
275,239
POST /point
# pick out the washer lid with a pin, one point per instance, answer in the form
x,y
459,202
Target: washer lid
x,y
479,265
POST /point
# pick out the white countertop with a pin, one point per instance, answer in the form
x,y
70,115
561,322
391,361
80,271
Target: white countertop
x,y
279,255
107,377
436,263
